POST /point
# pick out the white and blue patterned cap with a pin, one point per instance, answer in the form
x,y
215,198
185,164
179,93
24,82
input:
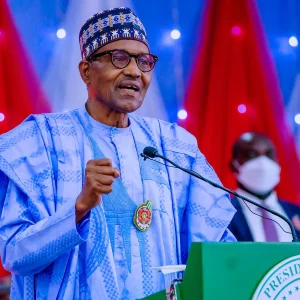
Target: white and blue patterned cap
x,y
108,26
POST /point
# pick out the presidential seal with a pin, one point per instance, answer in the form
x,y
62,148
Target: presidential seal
x,y
282,282
143,216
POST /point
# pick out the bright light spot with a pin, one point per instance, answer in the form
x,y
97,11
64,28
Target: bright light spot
x,y
182,114
242,108
293,41
175,34
2,117
297,119
236,30
61,33
247,137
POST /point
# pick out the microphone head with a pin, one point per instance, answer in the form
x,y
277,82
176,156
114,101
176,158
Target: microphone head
x,y
150,152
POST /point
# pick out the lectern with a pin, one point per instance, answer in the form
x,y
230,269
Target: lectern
x,y
233,271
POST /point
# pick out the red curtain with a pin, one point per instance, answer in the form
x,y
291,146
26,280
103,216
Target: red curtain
x,y
234,70
20,91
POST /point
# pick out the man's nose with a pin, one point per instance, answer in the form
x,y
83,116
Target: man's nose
x,y
132,69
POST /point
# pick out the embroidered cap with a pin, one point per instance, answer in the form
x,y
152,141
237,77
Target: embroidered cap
x,y
108,26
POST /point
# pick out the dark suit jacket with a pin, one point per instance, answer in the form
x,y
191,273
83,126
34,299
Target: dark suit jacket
x,y
240,228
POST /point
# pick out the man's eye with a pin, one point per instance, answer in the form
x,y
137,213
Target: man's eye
x,y
119,58
144,62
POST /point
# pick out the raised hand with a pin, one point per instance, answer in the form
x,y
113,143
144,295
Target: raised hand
x,y
99,177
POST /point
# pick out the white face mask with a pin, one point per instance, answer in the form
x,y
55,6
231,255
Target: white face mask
x,y
259,175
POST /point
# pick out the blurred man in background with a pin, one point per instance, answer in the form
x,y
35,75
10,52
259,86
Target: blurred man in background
x,y
257,172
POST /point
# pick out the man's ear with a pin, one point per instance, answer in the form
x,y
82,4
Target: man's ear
x,y
234,166
84,70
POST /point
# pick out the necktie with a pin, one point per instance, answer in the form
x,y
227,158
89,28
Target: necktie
x,y
269,227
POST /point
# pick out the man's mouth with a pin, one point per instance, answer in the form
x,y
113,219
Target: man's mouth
x,y
129,86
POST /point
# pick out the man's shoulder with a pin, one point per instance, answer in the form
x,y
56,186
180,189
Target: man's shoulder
x,y
237,205
235,201
26,130
289,206
31,124
173,136
29,135
293,212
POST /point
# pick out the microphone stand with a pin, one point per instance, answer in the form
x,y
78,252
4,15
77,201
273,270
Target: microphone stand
x,y
195,174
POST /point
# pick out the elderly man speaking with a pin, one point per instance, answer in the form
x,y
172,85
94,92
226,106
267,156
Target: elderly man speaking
x,y
83,216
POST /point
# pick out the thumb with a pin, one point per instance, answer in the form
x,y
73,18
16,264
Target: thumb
x,y
116,173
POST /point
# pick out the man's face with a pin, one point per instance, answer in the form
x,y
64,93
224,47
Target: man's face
x,y
257,146
109,85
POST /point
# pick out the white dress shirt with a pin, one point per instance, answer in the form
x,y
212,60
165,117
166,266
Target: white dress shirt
x,y
255,222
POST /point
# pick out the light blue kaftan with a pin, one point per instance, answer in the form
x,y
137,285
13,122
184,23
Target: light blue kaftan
x,y
42,165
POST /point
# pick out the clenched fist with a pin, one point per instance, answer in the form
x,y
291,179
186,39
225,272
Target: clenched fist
x,y
99,177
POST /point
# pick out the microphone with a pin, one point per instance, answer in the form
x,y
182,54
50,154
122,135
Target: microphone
x,y
150,152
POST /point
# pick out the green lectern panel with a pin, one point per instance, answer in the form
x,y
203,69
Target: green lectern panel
x,y
229,270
